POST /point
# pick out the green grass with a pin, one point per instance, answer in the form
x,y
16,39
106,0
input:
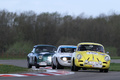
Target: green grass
x,y
115,57
112,51
15,58
114,67
11,69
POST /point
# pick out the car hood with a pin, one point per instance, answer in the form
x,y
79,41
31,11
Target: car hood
x,y
46,53
93,55
65,54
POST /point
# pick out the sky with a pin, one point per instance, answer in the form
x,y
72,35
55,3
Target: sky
x,y
71,7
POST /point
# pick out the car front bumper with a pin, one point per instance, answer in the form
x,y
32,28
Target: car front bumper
x,y
93,64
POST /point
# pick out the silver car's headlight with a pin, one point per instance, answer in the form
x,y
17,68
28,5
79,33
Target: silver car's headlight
x,y
40,57
107,58
64,59
79,56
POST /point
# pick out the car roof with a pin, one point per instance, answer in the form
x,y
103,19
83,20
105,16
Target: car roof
x,y
91,43
43,45
67,46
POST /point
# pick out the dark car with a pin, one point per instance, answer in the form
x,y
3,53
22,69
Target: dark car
x,y
41,55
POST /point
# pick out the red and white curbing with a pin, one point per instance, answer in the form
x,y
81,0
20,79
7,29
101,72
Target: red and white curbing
x,y
47,73
57,73
46,67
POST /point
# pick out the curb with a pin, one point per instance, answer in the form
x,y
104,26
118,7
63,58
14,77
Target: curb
x,y
48,72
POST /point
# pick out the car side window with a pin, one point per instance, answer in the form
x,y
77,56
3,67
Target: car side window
x,y
38,50
59,50
62,50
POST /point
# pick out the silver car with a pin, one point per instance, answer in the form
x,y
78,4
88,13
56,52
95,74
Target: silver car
x,y
62,57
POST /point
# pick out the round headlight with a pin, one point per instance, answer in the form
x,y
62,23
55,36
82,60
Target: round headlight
x,y
40,57
49,58
64,59
79,56
107,58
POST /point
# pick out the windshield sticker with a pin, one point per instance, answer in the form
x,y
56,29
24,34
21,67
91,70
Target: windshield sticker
x,y
92,53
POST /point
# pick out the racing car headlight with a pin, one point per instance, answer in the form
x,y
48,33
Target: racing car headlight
x,y
40,57
79,56
64,59
49,58
107,58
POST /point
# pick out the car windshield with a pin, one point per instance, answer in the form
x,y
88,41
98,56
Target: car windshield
x,y
40,49
90,48
67,50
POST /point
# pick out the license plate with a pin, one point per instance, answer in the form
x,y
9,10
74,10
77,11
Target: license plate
x,y
95,64
43,63
92,63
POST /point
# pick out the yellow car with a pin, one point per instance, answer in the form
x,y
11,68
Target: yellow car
x,y
90,55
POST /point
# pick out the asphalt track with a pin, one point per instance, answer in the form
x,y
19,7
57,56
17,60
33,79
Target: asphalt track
x,y
80,75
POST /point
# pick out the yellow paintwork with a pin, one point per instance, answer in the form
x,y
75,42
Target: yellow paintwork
x,y
94,57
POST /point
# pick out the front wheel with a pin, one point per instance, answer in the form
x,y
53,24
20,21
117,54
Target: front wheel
x,y
36,65
53,66
101,70
58,65
28,64
74,67
106,70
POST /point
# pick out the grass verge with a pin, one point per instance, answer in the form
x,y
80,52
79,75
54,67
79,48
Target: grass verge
x,y
114,67
115,57
11,69
2,58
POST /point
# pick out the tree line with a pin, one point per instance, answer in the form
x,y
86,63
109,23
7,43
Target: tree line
x,y
56,29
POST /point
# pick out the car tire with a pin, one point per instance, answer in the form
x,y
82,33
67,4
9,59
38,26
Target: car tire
x,y
36,65
58,66
84,68
74,67
53,66
106,70
101,70
28,64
